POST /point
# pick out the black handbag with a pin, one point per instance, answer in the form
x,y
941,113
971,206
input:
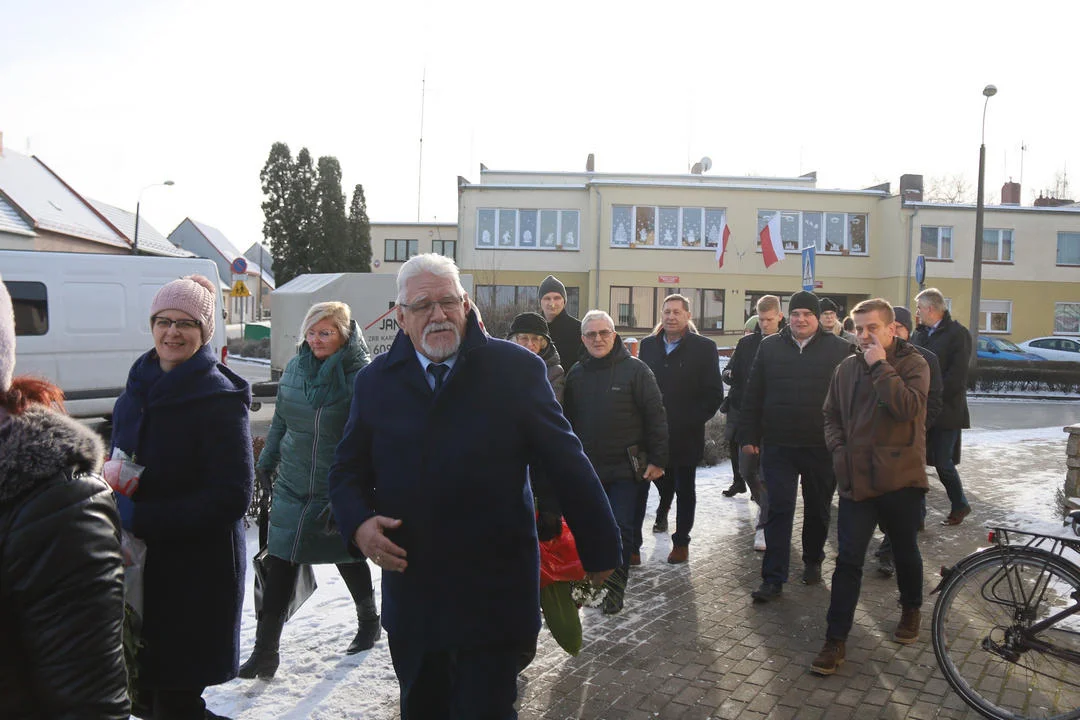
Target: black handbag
x,y
302,590
305,579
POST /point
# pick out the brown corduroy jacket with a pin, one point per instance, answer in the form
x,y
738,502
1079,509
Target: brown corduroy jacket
x,y
875,423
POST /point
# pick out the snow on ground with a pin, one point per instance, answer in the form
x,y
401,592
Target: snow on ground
x,y
317,680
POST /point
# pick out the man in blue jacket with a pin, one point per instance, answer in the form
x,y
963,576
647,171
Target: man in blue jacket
x,y
429,482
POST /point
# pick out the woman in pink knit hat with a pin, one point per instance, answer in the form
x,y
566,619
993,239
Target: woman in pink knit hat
x,y
183,417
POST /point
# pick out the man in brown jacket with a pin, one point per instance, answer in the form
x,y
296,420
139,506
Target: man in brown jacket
x,y
875,428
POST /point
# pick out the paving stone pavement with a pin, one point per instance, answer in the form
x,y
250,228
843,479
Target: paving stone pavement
x,y
691,644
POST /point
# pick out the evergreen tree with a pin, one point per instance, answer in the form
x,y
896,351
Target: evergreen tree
x,y
358,258
304,210
332,237
276,181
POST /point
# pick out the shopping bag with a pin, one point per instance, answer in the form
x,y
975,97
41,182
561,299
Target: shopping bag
x,y
133,551
561,615
305,585
559,559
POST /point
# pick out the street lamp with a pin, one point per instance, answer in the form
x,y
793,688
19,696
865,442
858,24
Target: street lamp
x,y
135,240
976,274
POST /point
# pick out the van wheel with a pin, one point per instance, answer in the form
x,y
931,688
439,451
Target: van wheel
x,y
256,406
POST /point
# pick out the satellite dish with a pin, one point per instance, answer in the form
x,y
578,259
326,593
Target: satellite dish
x,y
706,163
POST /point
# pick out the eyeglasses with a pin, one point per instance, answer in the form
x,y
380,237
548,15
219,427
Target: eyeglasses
x,y
164,323
529,338
602,334
321,334
424,307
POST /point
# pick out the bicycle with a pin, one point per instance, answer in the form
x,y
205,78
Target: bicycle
x,y
1006,625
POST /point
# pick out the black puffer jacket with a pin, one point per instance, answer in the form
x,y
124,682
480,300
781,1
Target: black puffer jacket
x,y
737,372
689,379
565,332
786,390
61,574
951,342
613,403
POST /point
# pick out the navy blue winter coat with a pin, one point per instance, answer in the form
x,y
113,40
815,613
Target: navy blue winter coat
x,y
190,429
452,467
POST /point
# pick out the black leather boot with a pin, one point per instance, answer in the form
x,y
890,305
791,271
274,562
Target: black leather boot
x,y
369,629
616,591
264,659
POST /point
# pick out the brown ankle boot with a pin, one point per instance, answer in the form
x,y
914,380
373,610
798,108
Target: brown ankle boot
x,y
830,657
907,631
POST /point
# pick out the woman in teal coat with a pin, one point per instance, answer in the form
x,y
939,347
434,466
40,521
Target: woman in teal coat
x,y
314,395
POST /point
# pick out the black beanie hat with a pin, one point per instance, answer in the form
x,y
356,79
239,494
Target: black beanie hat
x,y
828,305
552,284
804,300
903,316
529,322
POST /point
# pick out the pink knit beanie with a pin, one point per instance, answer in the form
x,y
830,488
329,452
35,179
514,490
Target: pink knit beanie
x,y
194,295
7,339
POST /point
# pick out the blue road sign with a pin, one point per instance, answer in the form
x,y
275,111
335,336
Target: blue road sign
x,y
809,260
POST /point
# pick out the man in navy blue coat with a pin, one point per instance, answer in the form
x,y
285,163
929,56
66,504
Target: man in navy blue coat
x,y
687,370
429,482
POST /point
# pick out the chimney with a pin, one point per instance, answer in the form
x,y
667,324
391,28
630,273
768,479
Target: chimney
x,y
590,163
911,188
1010,193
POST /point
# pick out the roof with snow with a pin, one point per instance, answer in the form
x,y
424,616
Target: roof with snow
x,y
11,221
53,206
151,241
227,250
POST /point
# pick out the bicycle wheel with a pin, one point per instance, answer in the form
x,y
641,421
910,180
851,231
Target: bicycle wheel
x,y
980,623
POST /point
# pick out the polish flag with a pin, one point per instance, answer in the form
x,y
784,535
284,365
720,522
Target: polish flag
x,y
772,249
721,246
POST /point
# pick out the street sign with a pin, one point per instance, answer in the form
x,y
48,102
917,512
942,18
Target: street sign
x,y
240,290
920,269
668,279
809,260
239,266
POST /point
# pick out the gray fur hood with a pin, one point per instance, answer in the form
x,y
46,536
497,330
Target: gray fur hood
x,y
39,444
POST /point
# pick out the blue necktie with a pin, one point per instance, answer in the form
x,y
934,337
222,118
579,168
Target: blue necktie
x,y
438,371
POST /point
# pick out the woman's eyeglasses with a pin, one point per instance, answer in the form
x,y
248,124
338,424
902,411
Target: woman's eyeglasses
x,y
321,334
164,323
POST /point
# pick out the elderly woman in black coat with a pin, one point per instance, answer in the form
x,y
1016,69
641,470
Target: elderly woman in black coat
x,y
62,593
184,417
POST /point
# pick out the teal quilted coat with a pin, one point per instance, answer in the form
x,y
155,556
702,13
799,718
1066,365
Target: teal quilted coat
x,y
312,407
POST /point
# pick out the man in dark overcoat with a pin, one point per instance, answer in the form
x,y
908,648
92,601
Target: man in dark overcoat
x,y
687,370
564,328
951,342
429,482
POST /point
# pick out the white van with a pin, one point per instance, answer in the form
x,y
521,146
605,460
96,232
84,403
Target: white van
x,y
81,319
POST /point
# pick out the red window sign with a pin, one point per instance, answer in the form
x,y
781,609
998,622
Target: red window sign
x,y
669,279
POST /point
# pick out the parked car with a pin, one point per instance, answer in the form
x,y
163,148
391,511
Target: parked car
x,y
992,348
1054,348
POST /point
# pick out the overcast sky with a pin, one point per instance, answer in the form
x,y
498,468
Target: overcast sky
x,y
115,95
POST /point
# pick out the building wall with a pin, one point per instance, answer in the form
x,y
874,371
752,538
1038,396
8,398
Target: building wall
x,y
1032,281
425,234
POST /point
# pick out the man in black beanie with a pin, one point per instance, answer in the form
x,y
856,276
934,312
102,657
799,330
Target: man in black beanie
x,y
565,329
782,420
830,320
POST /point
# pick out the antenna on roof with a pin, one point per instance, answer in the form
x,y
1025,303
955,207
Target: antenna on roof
x,y
420,168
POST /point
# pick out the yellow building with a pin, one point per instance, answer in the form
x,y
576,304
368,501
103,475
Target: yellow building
x,y
394,243
622,242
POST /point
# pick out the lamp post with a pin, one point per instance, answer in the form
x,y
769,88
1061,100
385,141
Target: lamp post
x,y
976,273
138,204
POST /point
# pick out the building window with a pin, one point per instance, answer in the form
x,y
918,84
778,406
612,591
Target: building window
x,y
997,245
400,250
1068,248
512,229
30,302
831,233
640,307
995,316
1066,318
935,242
446,248
667,228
